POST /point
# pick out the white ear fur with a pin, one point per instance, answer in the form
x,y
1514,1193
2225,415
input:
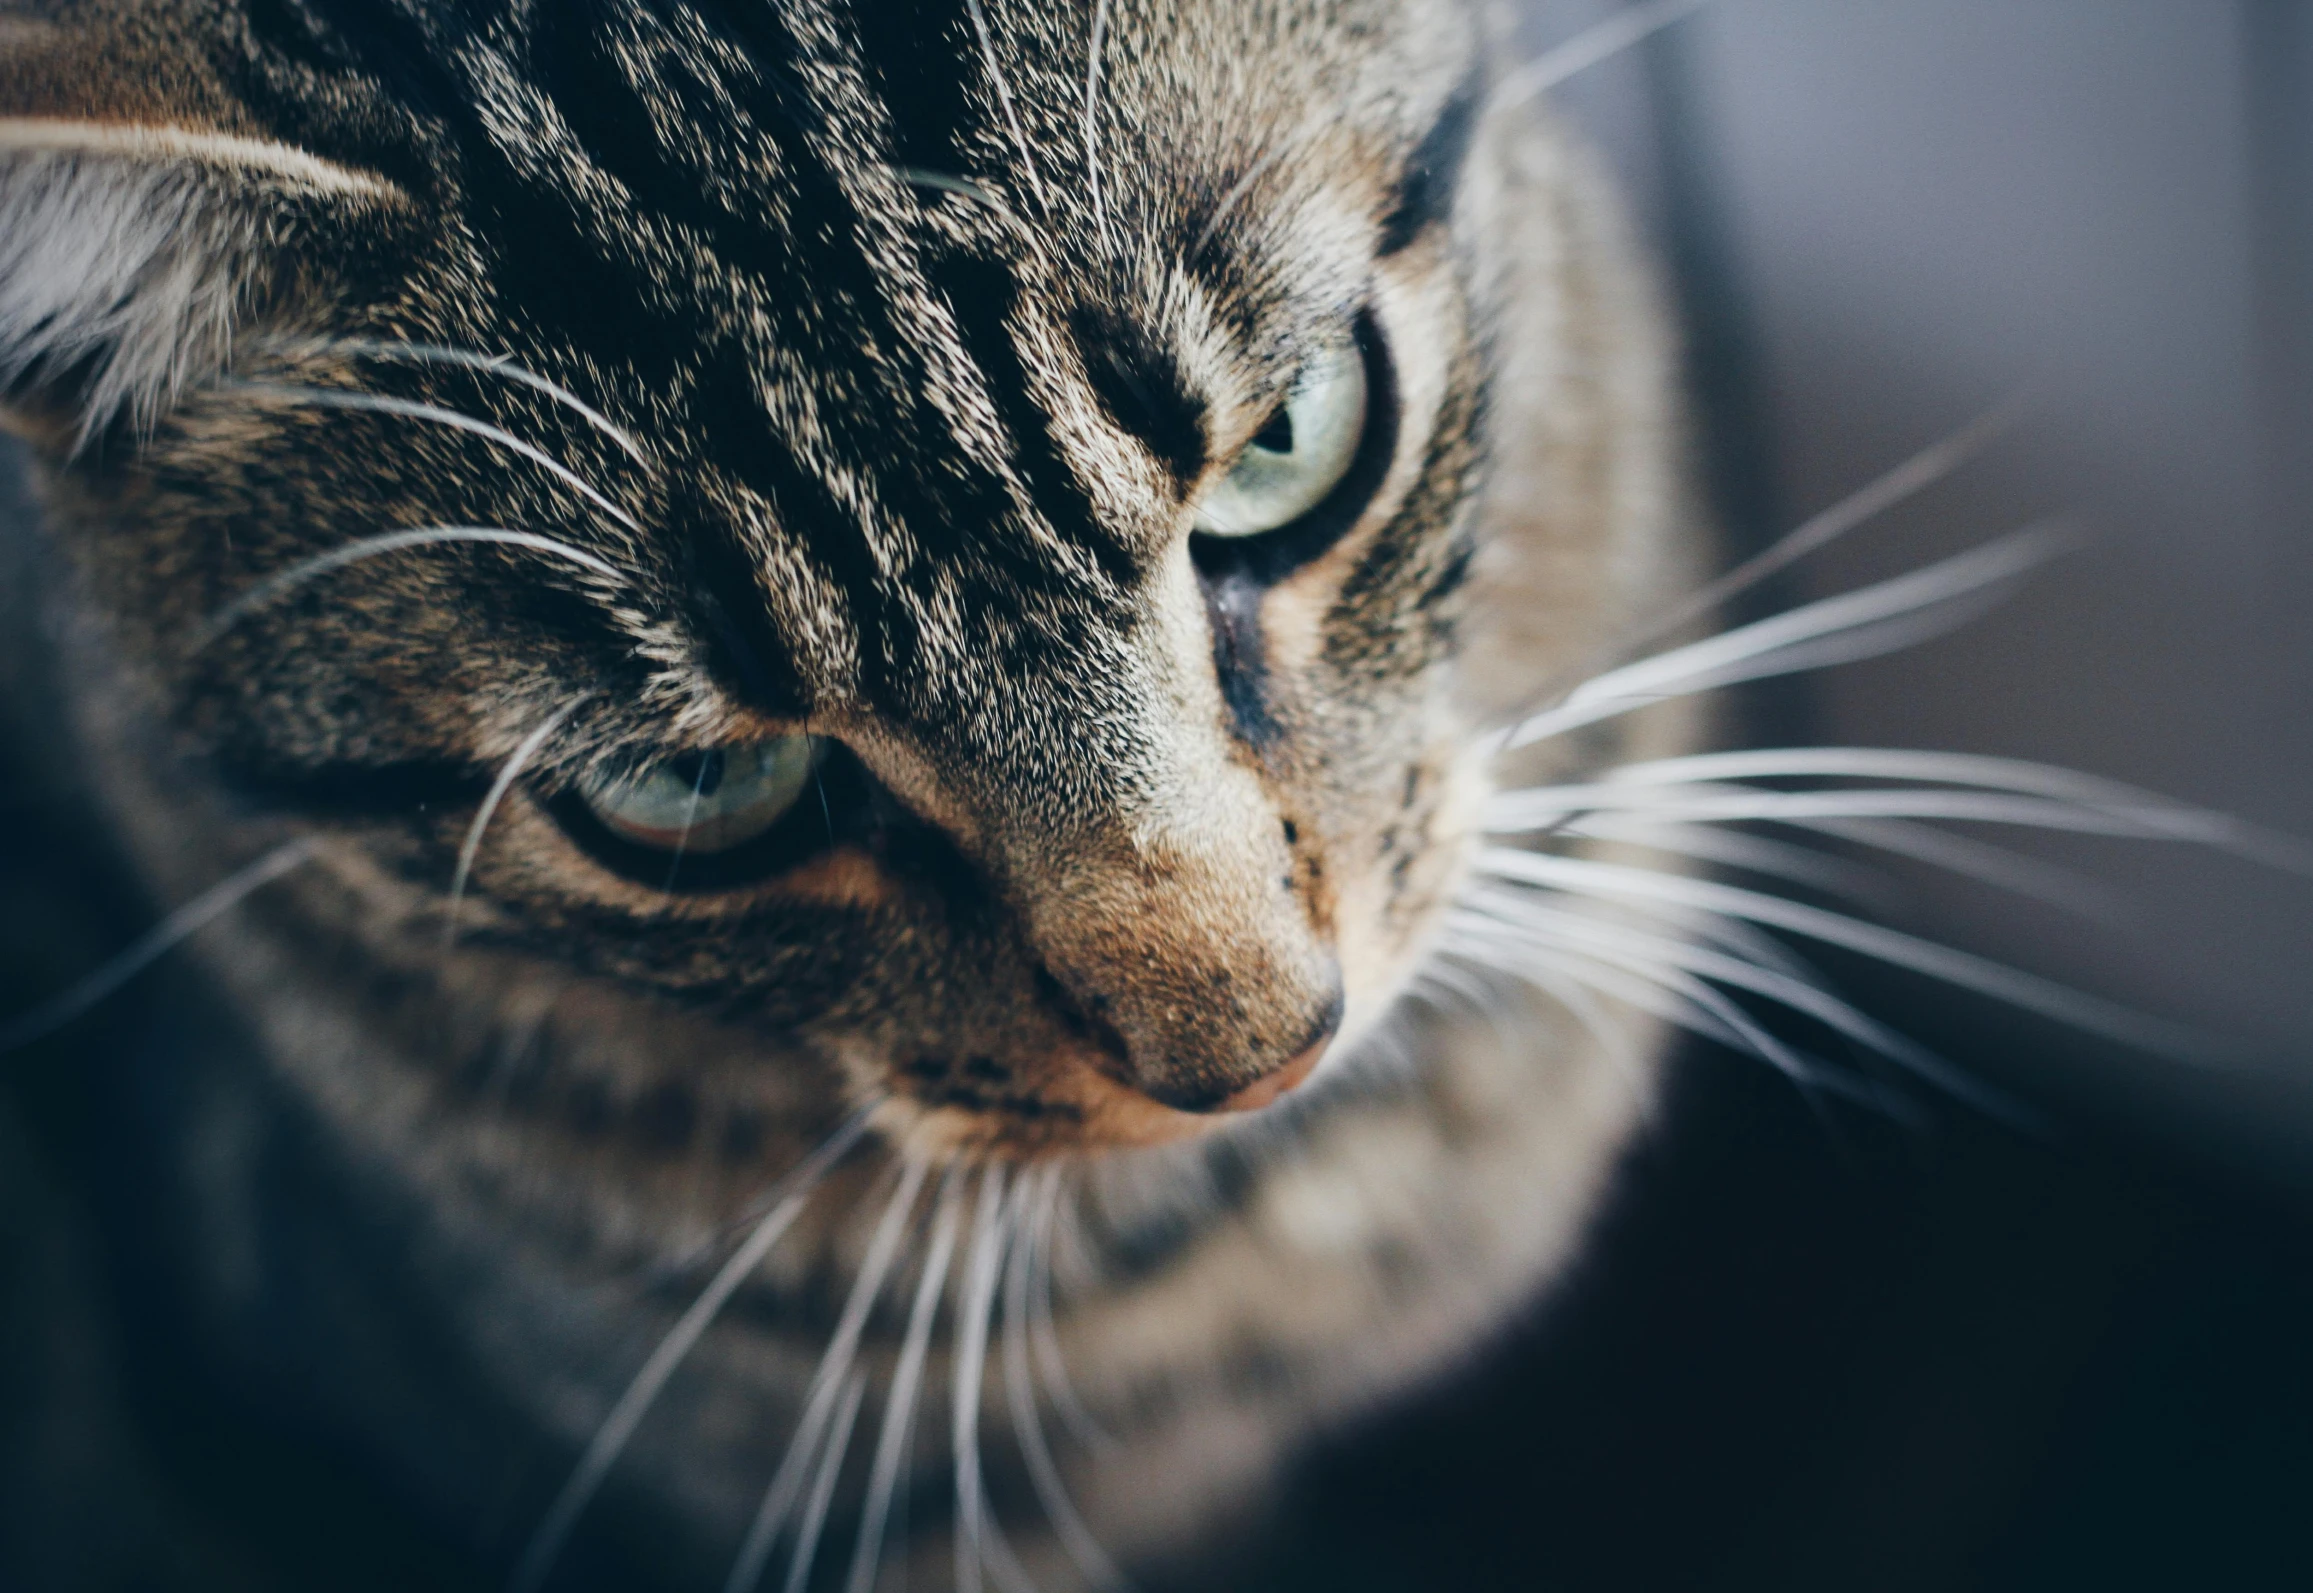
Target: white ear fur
x,y
129,254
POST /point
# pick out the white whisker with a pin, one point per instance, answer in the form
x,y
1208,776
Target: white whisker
x,y
1542,973
1733,848
2001,867
281,582
829,1469
610,1439
1998,866
154,944
44,135
883,1248
1681,997
1485,950
2019,989
900,1404
2144,813
1877,619
1230,200
975,1314
1028,1427
1907,480
1636,949
1004,102
411,409
1600,41
1092,114
1043,1338
508,773
500,365
1546,809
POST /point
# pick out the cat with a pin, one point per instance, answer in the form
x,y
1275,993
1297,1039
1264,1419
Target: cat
x,y
837,690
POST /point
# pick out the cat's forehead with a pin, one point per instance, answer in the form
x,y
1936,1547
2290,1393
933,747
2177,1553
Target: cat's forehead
x,y
883,281
819,155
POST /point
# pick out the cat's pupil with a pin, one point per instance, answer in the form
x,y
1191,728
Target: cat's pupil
x,y
1277,436
700,772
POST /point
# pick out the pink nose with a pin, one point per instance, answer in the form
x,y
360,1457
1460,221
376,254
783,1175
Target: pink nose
x,y
1266,1091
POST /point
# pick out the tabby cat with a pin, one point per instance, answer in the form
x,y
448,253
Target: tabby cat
x,y
825,680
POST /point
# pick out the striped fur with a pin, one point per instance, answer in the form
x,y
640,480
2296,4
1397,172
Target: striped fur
x,y
848,368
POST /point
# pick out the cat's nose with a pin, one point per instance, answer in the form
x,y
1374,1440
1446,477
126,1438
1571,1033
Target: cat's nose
x,y
1268,1091
1280,1073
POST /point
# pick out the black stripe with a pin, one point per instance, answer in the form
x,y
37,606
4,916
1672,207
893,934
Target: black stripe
x,y
1425,192
981,294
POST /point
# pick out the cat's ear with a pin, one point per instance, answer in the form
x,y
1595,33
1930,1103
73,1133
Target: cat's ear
x,y
143,224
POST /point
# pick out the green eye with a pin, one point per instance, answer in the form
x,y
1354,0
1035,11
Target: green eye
x,y
705,802
1298,457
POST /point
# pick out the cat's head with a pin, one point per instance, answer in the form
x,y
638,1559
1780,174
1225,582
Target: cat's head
x,y
938,536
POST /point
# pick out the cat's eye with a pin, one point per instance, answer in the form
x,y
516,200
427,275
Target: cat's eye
x,y
707,802
1298,457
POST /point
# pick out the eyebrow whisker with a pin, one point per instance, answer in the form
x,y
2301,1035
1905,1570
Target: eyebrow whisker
x,y
282,582
499,365
435,414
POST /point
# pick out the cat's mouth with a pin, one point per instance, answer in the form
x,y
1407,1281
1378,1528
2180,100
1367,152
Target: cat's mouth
x,y
1076,1096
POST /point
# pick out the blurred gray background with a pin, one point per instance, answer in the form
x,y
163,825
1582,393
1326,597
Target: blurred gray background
x,y
1884,217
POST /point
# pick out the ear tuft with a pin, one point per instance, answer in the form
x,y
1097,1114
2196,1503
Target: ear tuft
x,y
119,283
128,256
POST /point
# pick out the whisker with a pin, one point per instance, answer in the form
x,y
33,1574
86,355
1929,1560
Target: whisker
x,y
920,177
1801,865
610,1439
830,1468
1599,42
2002,867
682,847
1485,951
2155,816
975,1314
1004,103
1043,1337
508,773
1907,480
282,582
1676,818
906,1380
1092,114
1692,1004
1965,970
1473,993
1877,619
835,1362
1575,998
412,409
1230,200
154,944
1546,809
501,365
1636,949
1028,1427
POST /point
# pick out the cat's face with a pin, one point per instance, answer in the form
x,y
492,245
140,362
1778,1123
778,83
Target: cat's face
x,y
987,545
